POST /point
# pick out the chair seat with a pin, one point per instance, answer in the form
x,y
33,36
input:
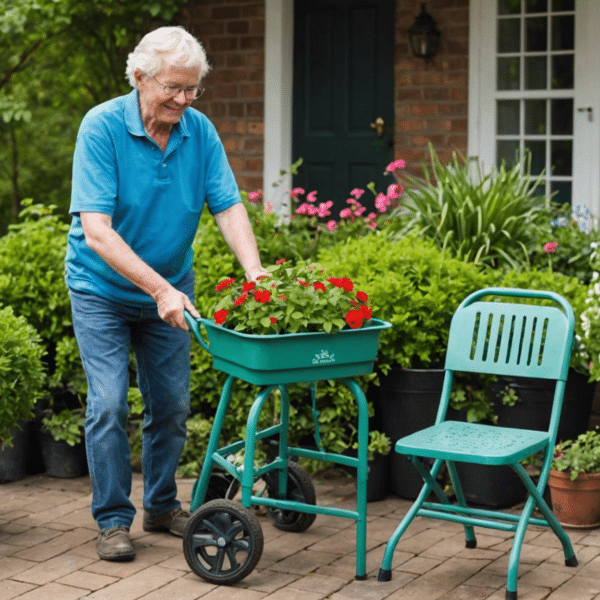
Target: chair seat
x,y
474,443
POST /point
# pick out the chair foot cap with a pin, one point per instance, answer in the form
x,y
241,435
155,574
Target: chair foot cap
x,y
361,578
511,595
384,575
571,562
471,544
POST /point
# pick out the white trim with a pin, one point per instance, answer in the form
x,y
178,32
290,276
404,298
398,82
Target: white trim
x,y
279,53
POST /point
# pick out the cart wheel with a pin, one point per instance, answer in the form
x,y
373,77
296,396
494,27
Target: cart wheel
x,y
300,489
223,542
220,485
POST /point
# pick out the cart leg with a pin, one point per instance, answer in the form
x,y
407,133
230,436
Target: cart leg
x,y
213,445
250,445
283,439
361,478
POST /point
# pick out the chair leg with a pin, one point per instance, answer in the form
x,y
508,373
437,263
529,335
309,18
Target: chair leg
x,y
385,572
470,539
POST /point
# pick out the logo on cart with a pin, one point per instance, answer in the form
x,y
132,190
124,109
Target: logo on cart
x,y
323,358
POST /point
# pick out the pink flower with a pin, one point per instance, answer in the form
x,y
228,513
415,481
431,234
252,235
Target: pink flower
x,y
359,209
550,247
268,208
255,196
345,213
357,193
296,192
312,196
323,210
312,209
331,225
397,164
303,208
395,190
382,202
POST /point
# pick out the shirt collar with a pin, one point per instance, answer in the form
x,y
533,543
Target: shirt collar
x,y
133,118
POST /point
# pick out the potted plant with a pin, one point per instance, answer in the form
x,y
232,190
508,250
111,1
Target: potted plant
x,y
22,381
574,481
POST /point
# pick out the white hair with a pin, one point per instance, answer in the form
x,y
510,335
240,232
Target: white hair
x,y
166,44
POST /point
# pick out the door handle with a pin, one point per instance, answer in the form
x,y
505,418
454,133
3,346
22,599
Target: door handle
x,y
589,110
378,125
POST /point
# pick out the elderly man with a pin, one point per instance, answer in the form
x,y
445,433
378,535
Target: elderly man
x,y
145,165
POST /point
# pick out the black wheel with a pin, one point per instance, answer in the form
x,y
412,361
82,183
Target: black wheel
x,y
299,488
223,542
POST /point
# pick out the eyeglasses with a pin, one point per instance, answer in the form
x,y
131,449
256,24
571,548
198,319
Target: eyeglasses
x,y
190,93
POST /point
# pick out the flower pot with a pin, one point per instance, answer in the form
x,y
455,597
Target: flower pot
x,y
408,402
62,460
575,503
13,459
274,359
532,409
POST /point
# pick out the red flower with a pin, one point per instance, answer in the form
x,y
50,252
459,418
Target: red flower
x,y
354,318
220,316
261,277
262,296
319,286
342,282
282,297
224,284
280,261
366,311
248,287
240,300
273,320
302,283
362,296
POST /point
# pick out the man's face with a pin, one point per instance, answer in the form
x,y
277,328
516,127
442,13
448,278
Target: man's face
x,y
156,106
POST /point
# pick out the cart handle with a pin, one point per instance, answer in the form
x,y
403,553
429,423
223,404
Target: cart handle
x,y
195,327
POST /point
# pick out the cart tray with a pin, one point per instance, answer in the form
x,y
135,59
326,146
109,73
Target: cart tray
x,y
294,357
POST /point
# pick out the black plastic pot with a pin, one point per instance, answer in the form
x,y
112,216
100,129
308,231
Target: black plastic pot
x,y
62,460
13,459
408,402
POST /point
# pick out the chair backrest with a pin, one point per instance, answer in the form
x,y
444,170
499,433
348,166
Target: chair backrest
x,y
512,338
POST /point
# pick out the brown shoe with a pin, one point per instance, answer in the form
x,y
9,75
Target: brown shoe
x,y
173,521
114,544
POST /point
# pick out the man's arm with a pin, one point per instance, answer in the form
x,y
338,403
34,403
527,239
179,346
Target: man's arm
x,y
235,228
110,246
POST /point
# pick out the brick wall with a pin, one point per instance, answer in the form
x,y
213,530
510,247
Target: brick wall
x,y
432,97
232,32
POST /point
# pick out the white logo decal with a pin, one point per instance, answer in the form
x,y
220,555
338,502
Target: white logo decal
x,y
323,358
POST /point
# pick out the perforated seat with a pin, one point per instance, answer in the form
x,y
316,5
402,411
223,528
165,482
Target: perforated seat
x,y
516,338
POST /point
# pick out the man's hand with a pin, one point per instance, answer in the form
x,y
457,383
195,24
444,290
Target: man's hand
x,y
171,303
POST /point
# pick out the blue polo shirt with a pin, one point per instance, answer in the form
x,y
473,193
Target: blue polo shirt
x,y
155,199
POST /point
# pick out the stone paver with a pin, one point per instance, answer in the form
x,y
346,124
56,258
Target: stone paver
x,y
47,550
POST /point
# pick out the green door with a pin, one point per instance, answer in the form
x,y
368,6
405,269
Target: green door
x,y
343,101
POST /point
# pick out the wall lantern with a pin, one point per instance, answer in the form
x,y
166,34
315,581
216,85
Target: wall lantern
x,y
424,35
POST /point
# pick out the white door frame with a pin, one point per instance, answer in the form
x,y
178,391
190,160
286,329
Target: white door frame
x,y
279,61
482,70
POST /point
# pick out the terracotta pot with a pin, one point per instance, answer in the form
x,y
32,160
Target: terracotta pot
x,y
575,503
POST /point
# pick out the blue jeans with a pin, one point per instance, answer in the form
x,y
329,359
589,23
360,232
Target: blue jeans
x,y
105,330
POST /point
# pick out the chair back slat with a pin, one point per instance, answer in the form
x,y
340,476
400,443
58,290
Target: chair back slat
x,y
510,339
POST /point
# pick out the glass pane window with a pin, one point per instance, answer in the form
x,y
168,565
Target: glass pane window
x,y
509,73
509,7
562,116
509,37
562,72
536,34
536,77
534,6
563,32
508,117
535,117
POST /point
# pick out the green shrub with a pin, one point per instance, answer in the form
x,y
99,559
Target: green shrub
x,y
485,219
413,285
22,376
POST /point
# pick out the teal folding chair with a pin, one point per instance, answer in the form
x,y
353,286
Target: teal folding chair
x,y
499,338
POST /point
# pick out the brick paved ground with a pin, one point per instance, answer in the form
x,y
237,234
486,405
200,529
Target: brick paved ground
x,y
47,551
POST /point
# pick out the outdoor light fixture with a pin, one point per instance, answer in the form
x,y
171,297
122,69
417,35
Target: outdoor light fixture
x,y
424,35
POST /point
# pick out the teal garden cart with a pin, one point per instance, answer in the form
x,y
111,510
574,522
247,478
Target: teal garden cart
x,y
223,541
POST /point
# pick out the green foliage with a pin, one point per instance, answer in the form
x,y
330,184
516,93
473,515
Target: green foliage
x,y
379,443
293,299
67,425
485,219
194,450
22,376
412,284
581,455
574,247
